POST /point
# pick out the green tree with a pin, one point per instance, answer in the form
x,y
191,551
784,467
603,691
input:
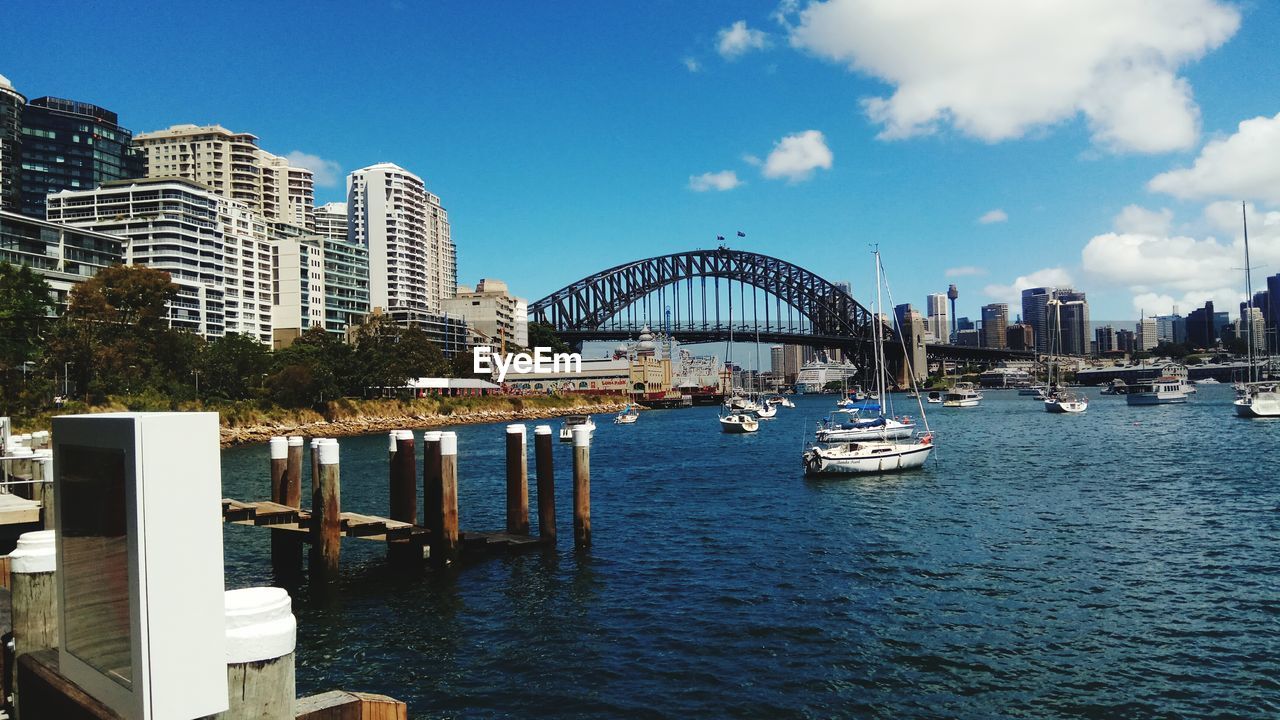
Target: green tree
x,y
25,308
232,367
125,294
544,335
317,367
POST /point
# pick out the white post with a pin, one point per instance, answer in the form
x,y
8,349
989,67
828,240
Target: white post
x,y
261,636
34,595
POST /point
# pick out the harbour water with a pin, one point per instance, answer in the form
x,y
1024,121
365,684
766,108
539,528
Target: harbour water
x,y
1120,563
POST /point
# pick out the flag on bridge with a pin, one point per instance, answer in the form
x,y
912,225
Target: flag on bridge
x,y
720,238
741,234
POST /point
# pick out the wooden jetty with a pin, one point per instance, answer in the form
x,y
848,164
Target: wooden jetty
x,y
438,538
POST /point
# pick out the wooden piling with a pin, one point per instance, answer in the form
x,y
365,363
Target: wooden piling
x,y
432,504
543,458
261,638
404,481
286,461
444,547
517,480
581,487
291,488
326,528
315,470
33,595
42,470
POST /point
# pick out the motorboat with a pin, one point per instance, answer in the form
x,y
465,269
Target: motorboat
x,y
877,428
1259,400
1116,387
934,397
963,394
766,411
875,456
1207,381
628,416
1164,390
1035,391
739,422
779,401
575,421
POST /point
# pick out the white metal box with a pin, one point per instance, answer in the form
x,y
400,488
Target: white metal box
x,y
140,568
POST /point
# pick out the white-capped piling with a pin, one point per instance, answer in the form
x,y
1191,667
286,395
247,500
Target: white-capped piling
x,y
517,480
581,487
261,637
33,594
403,480
543,448
444,547
326,527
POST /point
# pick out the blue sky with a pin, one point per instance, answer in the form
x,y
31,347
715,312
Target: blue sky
x,y
565,138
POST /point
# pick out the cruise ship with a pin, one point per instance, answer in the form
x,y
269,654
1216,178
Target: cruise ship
x,y
814,376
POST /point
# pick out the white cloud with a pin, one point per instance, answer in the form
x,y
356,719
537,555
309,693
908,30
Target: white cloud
x,y
723,180
1139,220
997,69
325,173
1241,166
1012,293
738,40
965,271
795,157
993,216
692,64
752,160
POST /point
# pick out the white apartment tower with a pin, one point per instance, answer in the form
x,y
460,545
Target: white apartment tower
x,y
412,261
936,324
233,166
331,221
214,248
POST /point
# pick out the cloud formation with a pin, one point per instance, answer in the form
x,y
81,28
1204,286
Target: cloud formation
x,y
1134,219
738,40
1012,293
795,157
723,180
998,69
325,173
993,216
965,271
1241,166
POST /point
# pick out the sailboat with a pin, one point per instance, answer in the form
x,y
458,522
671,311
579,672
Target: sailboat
x,y
736,418
628,416
1257,398
880,455
1059,400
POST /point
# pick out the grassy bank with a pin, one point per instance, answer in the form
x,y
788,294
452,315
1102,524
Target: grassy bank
x,y
255,421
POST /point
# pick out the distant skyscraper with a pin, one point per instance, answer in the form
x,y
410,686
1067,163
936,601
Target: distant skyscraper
x,y
1148,334
995,321
1033,314
1104,340
1220,321
70,145
936,322
964,323
1075,326
1201,333
1126,341
1019,336
1253,328
412,262
11,106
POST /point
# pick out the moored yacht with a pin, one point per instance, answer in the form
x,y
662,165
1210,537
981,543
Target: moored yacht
x,y
1259,399
872,456
963,394
573,421
739,423
1164,390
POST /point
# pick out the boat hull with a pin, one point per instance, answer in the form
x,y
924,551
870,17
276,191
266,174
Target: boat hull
x,y
1155,398
967,402
889,432
1258,407
909,457
1065,406
738,427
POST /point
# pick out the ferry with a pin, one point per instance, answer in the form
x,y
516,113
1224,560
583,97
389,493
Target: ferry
x,y
1164,390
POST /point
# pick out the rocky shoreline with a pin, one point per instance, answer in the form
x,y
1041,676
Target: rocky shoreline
x,y
247,435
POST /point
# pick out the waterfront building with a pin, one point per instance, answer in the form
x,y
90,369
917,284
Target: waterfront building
x,y
776,365
233,166
1201,331
346,285
995,323
1104,339
1171,328
1034,313
298,292
492,312
73,145
1148,335
63,254
331,221
12,104
936,323
1019,336
1126,341
216,248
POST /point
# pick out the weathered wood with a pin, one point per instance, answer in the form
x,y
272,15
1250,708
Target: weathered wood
x,y
260,690
48,694
291,487
517,480
315,469
35,611
342,705
444,546
4,573
432,505
327,524
286,472
404,481
544,459
581,488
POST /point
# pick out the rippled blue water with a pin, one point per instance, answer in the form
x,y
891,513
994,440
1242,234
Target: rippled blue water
x,y
1122,563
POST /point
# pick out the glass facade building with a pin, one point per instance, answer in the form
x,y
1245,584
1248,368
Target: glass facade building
x,y
11,105
346,285
64,255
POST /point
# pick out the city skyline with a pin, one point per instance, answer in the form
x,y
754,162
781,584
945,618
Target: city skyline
x,y
520,131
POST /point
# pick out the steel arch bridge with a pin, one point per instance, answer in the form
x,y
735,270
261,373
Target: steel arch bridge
x,y
603,306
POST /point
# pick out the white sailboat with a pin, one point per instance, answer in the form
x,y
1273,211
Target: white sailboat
x,y
1059,400
879,455
738,417
1256,398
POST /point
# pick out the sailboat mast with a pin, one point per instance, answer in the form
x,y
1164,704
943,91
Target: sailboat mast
x,y
879,344
1248,291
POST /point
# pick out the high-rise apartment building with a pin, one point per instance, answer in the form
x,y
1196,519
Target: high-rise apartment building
x,y
492,312
233,166
297,287
1034,302
1104,340
71,145
331,220
64,255
1148,334
936,323
12,104
995,323
412,262
217,250
346,267
1253,328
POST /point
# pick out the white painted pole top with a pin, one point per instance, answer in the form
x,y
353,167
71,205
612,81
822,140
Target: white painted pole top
x,y
431,436
260,624
581,436
449,443
295,440
404,434
328,449
279,448
516,429
542,430
391,439
36,553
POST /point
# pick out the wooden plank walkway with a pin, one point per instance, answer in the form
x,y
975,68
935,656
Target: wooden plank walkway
x,y
279,517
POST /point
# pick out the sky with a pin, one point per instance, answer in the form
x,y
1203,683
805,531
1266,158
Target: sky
x,y
994,144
